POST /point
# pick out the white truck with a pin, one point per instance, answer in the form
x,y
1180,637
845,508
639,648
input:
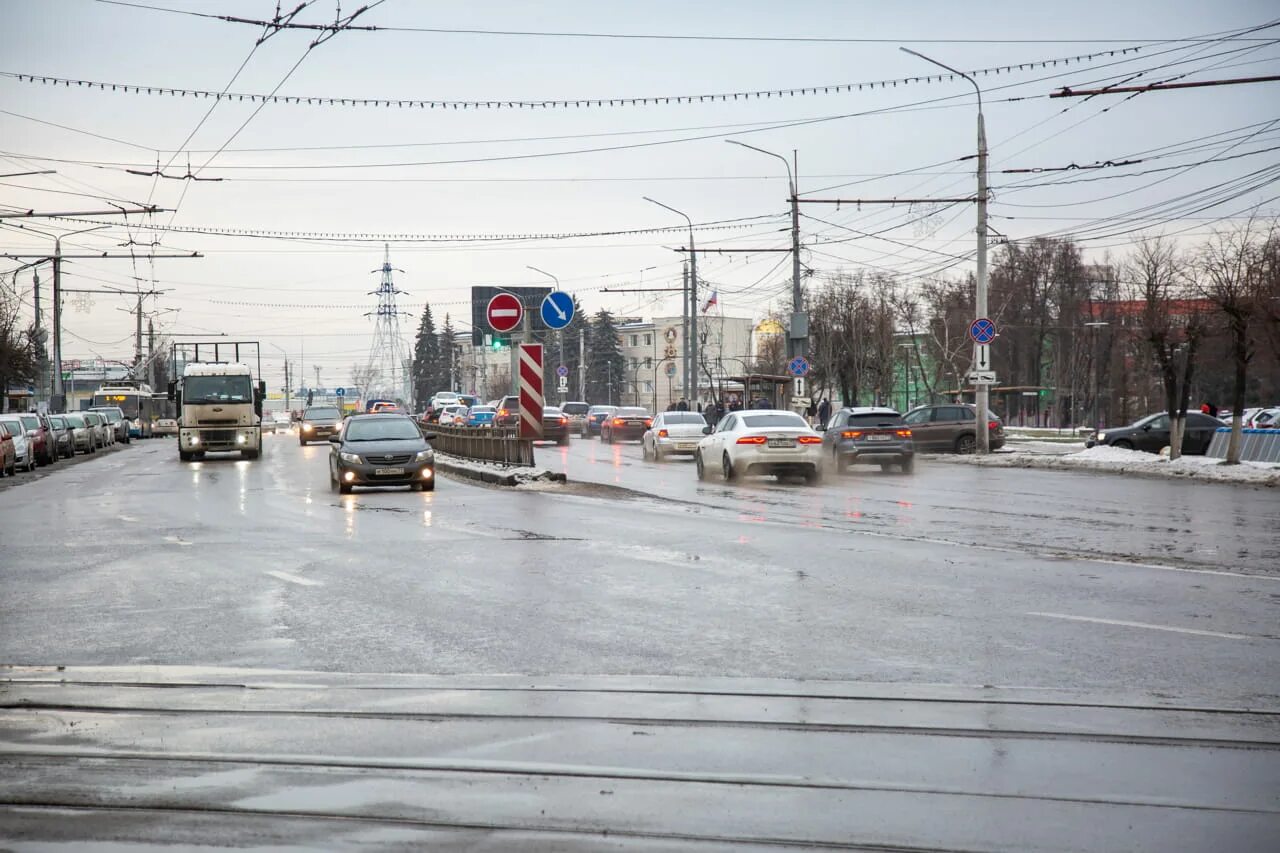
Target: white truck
x,y
219,408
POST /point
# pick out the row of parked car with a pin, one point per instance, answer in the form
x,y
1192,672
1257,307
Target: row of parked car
x,y
32,439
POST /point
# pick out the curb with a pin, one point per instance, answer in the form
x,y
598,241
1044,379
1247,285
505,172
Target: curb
x,y
494,476
1045,463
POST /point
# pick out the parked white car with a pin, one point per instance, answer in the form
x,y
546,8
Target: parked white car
x,y
24,459
762,441
672,433
84,436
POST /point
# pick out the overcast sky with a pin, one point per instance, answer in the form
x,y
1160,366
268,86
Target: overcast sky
x,y
342,178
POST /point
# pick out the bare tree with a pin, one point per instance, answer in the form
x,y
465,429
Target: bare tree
x,y
499,383
20,351
1171,326
365,377
1230,271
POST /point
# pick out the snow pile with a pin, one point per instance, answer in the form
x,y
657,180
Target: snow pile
x,y
1120,461
496,473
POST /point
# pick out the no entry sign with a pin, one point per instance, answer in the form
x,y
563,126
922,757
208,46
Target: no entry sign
x,y
504,312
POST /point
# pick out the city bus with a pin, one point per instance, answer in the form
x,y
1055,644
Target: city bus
x,y
137,402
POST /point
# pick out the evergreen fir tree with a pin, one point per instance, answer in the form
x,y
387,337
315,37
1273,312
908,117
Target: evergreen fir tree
x,y
448,378
606,366
426,361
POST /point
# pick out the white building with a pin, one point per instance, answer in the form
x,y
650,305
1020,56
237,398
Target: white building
x,y
654,351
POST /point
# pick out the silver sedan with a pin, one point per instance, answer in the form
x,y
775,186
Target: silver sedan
x,y
672,434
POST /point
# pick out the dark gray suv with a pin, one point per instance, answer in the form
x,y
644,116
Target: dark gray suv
x,y
871,435
318,423
381,450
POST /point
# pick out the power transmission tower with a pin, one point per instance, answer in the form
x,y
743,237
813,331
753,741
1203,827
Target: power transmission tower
x,y
388,357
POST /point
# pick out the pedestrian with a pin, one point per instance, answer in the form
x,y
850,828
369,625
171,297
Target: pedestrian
x,y
671,407
683,405
824,411
763,403
719,410
811,411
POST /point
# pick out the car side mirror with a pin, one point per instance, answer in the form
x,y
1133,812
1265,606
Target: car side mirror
x,y
333,439
1146,428
430,436
707,430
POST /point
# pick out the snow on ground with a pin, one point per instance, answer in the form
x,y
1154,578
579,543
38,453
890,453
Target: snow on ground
x,y
1119,461
1041,446
496,473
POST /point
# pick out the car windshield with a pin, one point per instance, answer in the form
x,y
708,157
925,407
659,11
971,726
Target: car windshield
x,y
112,416
601,410
15,426
779,419
550,411
382,429
31,421
575,408
57,422
75,421
217,389
671,418
482,410
631,412
320,413
866,420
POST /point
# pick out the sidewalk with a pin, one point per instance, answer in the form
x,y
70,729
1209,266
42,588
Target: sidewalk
x,y
1114,460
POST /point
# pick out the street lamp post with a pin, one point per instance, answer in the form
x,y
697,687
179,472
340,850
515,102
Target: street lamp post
x,y
983,391
287,396
59,390
798,339
1097,412
560,334
691,309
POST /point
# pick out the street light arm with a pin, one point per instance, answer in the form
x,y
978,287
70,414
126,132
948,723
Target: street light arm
x,y
955,71
791,180
672,209
547,274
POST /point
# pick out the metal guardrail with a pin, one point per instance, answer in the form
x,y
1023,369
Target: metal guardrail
x,y
1256,445
484,444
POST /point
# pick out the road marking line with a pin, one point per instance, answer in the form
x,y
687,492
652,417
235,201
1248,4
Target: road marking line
x,y
1149,626
298,579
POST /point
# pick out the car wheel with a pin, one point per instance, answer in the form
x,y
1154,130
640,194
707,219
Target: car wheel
x,y
658,455
966,444
302,442
727,469
697,463
344,488
185,456
1123,444
563,442
250,454
429,486
842,463
908,465
813,476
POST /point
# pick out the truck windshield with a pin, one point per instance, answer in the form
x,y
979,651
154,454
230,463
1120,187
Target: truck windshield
x,y
217,389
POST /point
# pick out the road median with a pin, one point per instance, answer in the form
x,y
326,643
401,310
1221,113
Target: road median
x,y
495,474
1112,460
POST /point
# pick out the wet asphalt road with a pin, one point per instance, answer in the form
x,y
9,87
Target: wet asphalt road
x,y
955,575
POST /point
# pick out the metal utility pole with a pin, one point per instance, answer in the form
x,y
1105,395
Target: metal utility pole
x,y
982,390
798,336
685,311
288,385
582,361
691,341
560,334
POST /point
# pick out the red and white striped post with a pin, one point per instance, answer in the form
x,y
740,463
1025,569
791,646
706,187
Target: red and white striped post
x,y
531,398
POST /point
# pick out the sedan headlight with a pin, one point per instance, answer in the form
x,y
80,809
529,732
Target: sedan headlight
x,y
423,456
1102,436
349,458
306,427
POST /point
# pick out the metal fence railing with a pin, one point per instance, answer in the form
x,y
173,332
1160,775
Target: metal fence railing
x,y
1256,445
484,444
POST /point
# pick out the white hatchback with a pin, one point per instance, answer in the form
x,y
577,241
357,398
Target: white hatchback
x,y
765,441
672,433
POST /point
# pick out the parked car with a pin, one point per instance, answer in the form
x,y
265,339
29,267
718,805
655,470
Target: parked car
x,y
627,423
765,441
672,434
555,425
40,437
102,432
319,422
577,414
23,456
84,435
481,416
1152,434
381,450
166,426
452,416
870,435
8,455
951,427
1264,419
115,417
62,436
595,417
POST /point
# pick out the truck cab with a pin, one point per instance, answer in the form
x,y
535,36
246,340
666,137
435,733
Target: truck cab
x,y
219,410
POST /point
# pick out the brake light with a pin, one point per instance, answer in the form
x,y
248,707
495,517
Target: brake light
x,y
618,422
502,413
993,425
904,433
810,439
851,433
564,420
662,433
752,439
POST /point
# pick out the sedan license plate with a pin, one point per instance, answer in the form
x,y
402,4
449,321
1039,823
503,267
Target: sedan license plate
x,y
781,442
879,437
388,472
686,446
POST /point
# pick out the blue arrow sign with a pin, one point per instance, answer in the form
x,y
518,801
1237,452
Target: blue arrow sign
x,y
557,309
982,330
798,366
341,392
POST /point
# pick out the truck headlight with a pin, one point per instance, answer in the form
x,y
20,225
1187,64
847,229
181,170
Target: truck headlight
x,y
240,439
423,456
350,458
195,439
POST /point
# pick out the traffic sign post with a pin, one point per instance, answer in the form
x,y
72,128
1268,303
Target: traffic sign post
x,y
504,312
341,392
562,372
982,330
982,377
671,368
530,385
798,366
557,310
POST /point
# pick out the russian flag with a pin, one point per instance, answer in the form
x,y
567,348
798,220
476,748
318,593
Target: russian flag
x,y
714,300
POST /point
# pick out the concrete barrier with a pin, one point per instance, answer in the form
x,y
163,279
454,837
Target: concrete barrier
x,y
1256,445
